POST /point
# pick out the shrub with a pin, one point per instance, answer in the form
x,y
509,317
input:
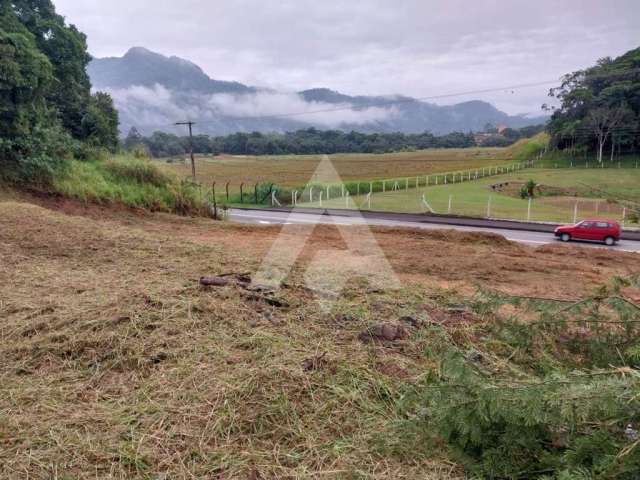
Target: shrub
x,y
139,170
555,396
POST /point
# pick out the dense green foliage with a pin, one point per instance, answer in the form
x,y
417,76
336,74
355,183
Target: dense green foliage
x,y
555,396
130,181
47,112
600,108
312,141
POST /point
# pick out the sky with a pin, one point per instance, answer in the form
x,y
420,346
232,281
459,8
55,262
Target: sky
x,y
419,48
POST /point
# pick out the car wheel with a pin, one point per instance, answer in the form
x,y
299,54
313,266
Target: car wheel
x,y
565,237
609,241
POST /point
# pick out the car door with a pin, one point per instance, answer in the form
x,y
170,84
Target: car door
x,y
583,231
603,230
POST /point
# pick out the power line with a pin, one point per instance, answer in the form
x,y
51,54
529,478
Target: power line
x,y
398,101
392,102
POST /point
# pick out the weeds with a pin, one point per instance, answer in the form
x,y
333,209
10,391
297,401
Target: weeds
x,y
134,182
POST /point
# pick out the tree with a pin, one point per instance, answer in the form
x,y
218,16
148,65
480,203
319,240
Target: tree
x,y
99,124
31,142
602,121
134,138
598,106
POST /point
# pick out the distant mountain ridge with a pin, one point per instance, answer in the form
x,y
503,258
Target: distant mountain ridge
x,y
153,91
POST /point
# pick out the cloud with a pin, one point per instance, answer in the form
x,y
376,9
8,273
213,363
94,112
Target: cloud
x,y
158,107
317,113
374,47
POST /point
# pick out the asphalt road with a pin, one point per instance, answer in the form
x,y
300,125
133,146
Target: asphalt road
x,y
529,238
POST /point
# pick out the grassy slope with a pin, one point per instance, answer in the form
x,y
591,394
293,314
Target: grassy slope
x,y
471,198
128,181
116,364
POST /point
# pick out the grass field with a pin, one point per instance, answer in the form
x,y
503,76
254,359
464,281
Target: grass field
x,y
117,364
472,198
296,170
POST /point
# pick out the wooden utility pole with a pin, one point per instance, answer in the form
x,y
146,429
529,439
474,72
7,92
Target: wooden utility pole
x,y
190,124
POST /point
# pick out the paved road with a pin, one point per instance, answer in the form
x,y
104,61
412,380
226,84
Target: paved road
x,y
529,238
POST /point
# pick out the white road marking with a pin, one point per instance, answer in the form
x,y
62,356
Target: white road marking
x,y
264,222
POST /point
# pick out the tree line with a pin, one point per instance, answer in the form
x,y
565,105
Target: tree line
x,y
599,108
47,111
314,141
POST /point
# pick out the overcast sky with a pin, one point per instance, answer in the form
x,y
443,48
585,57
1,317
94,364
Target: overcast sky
x,y
373,47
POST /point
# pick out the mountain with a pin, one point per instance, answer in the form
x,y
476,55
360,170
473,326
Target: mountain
x,y
152,92
143,67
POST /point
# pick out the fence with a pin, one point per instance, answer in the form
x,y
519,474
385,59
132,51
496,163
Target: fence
x,y
321,193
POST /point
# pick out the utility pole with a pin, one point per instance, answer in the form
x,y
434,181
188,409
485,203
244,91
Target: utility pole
x,y
193,162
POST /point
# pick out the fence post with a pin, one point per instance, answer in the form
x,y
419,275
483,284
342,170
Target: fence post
x,y
449,207
426,181
575,213
241,193
624,215
328,191
406,184
436,179
227,189
370,187
417,182
311,194
321,198
358,189
342,188
445,178
369,201
295,198
213,191
529,210
346,197
489,207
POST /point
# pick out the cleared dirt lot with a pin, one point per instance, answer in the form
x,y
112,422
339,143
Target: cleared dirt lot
x,y
117,363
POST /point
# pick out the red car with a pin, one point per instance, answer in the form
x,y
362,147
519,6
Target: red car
x,y
607,231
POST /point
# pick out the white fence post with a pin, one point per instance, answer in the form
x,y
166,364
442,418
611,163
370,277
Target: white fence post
x,y
529,210
274,199
406,184
426,204
449,207
342,186
328,192
575,213
370,187
310,194
369,201
320,198
624,215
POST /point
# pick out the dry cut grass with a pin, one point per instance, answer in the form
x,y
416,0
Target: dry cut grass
x,y
117,364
